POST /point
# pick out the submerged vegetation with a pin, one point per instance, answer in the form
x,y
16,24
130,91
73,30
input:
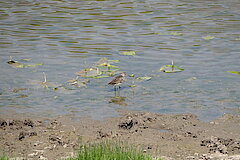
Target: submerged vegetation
x,y
103,68
234,72
16,64
171,68
208,37
109,151
128,53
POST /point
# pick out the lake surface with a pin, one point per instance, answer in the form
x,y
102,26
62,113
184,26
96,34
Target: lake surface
x,y
66,36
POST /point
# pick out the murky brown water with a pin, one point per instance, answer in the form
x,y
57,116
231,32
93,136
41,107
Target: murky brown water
x,y
66,36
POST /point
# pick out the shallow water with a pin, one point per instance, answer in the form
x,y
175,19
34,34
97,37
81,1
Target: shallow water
x,y
69,35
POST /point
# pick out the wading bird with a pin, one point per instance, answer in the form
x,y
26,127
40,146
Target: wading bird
x,y
118,80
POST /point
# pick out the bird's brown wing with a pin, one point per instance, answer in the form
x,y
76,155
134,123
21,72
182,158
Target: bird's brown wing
x,y
116,80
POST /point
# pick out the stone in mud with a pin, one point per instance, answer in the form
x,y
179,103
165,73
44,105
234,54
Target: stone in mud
x,y
28,122
101,134
24,134
221,145
127,123
14,122
3,123
55,139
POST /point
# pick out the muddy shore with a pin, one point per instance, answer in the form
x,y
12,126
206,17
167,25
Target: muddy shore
x,y
170,136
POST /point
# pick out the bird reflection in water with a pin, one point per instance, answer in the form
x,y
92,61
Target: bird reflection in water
x,y
117,99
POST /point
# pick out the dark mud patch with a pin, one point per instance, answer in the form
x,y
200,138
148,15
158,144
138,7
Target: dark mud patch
x,y
176,136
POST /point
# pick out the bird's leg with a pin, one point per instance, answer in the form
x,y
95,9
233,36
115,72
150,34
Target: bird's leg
x,y
115,92
119,91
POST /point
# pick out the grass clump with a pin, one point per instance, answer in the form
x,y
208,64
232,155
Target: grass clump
x,y
3,158
109,151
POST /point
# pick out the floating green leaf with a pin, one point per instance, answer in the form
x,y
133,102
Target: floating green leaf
x,y
104,62
170,34
33,65
107,65
26,59
171,69
208,37
64,89
176,33
110,73
78,83
113,61
143,78
104,76
131,75
89,72
133,85
17,64
234,72
128,53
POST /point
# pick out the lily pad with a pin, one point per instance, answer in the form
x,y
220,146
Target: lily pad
x,y
103,76
234,72
109,73
171,69
16,64
208,37
143,78
104,62
128,53
176,34
131,75
107,65
89,72
78,83
132,85
65,89
26,59
170,34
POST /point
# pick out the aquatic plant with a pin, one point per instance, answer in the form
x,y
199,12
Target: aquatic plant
x,y
16,64
208,37
4,158
89,72
43,84
128,53
171,68
146,78
170,34
109,151
234,72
